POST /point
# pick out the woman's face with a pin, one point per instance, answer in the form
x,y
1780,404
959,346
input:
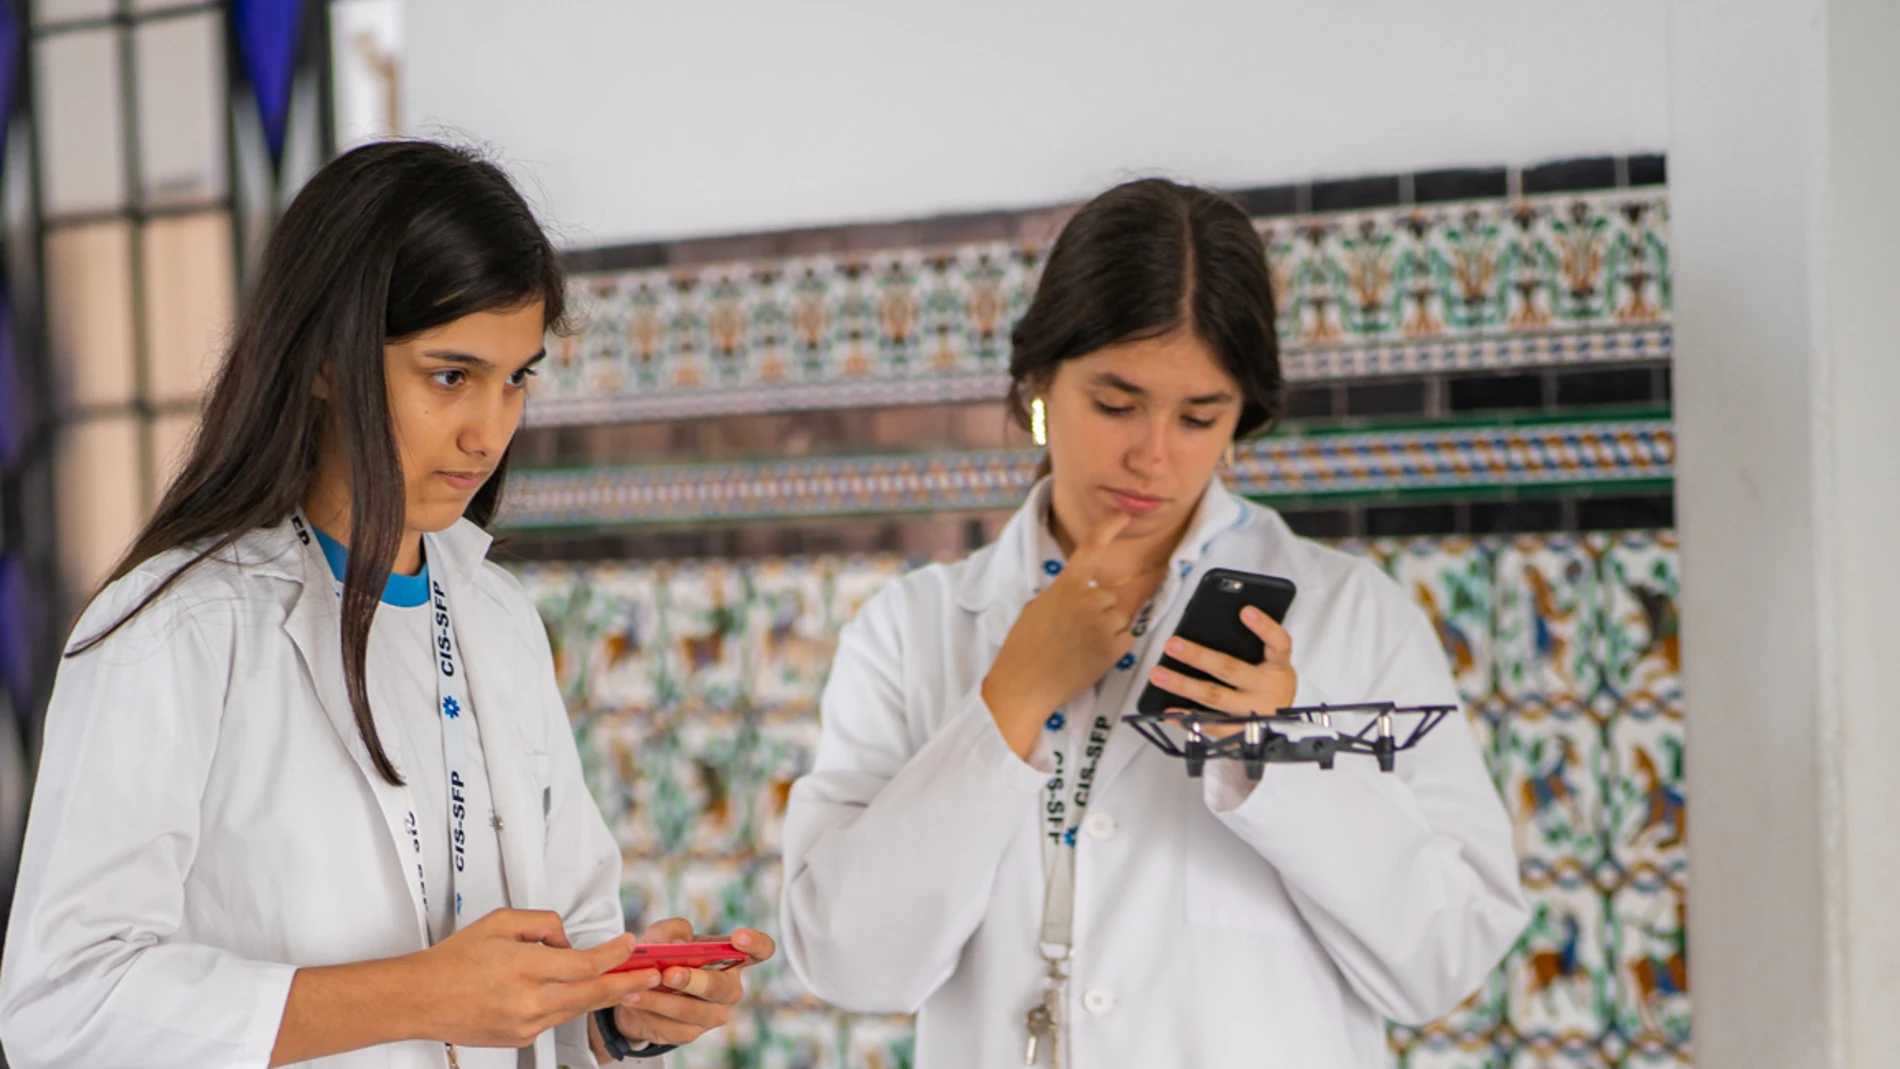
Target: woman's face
x,y
455,397
1138,428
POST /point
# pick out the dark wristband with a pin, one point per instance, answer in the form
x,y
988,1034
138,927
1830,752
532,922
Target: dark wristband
x,y
617,1044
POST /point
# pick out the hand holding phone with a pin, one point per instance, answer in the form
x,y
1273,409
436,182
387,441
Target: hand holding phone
x,y
1225,664
700,981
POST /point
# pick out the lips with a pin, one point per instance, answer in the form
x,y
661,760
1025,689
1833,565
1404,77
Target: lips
x,y
1135,504
464,480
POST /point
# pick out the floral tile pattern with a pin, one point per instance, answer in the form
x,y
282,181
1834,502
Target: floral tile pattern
x,y
1436,458
1566,278
693,690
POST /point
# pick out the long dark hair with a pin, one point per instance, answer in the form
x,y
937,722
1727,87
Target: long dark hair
x,y
383,243
1143,260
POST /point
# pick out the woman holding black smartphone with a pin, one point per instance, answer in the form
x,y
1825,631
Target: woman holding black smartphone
x,y
981,843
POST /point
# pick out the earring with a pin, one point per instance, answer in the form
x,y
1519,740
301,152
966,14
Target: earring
x,y
1227,458
1038,421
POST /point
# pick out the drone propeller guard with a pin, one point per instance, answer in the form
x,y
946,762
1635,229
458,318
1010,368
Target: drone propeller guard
x,y
1257,743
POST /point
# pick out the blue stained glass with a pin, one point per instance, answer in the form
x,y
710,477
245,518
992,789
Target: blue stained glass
x,y
267,32
9,63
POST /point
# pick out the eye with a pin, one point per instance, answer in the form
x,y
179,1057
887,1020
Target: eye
x,y
1198,424
520,378
453,376
1107,409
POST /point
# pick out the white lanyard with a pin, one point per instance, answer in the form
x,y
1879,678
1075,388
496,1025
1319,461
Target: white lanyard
x,y
452,701
1062,818
451,693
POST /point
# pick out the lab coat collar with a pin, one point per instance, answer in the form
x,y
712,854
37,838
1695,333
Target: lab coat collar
x,y
1012,569
314,626
278,552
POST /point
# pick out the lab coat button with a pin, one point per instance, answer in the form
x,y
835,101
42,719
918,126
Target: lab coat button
x,y
1098,1000
1099,825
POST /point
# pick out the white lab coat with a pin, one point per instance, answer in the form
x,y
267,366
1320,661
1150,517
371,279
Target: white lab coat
x,y
207,818
1214,925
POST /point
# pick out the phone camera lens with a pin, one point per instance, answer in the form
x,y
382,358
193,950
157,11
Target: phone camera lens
x,y
1230,585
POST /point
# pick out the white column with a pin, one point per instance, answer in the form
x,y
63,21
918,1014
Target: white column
x,y
1784,168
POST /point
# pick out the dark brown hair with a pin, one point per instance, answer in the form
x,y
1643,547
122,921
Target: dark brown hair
x,y
1141,261
385,242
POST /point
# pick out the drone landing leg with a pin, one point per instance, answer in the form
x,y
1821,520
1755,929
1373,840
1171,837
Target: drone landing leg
x,y
1253,751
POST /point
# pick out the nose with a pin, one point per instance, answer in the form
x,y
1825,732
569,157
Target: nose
x,y
491,425
1147,455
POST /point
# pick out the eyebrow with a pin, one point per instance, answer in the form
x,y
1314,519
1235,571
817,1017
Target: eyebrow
x,y
453,356
1116,382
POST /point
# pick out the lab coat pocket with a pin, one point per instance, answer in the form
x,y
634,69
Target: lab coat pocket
x,y
541,774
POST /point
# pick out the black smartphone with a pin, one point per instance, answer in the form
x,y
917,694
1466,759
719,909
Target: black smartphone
x,y
1212,619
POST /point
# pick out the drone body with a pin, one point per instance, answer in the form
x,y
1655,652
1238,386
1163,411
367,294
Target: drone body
x,y
1257,744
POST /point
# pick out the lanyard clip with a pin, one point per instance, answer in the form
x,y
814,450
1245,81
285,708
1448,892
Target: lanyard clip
x,y
1057,957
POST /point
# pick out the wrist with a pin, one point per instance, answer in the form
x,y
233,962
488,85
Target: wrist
x,y
336,1009
1016,700
624,1023
1018,716
412,1013
619,1040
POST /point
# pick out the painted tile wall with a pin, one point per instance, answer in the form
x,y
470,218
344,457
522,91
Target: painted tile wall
x,y
693,689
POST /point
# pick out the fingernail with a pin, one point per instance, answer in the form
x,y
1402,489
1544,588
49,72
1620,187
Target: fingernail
x,y
678,978
1161,674
742,939
1175,645
630,999
653,981
1250,613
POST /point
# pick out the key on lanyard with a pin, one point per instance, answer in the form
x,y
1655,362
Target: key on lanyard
x,y
1043,1020
1040,1024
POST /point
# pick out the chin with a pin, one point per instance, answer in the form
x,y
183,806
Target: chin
x,y
1163,520
436,519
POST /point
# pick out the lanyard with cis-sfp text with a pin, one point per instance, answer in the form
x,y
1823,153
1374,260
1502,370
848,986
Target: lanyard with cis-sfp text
x,y
1044,1020
452,702
1063,817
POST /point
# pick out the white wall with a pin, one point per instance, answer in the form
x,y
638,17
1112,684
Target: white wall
x,y
640,119
1788,484
365,38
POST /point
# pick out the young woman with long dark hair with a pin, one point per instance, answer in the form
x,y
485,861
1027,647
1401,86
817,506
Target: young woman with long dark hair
x,y
307,790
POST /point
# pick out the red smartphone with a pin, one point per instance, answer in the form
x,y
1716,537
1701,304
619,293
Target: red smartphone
x,y
714,956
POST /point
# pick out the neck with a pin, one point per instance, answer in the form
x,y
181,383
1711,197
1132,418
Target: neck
x,y
328,507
